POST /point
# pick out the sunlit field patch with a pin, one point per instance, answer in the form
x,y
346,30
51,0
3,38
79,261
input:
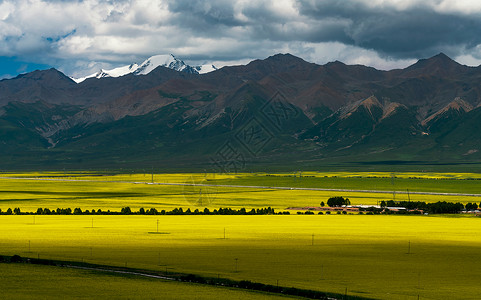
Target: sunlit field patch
x,y
30,191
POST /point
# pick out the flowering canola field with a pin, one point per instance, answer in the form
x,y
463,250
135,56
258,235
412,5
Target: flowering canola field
x,y
377,256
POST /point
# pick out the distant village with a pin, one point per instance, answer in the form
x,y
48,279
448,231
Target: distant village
x,y
340,205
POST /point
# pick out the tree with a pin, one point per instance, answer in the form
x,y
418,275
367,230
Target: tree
x,y
338,201
9,211
152,211
322,204
471,206
383,203
126,210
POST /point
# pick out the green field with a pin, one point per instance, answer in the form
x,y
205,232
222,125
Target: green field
x,y
22,281
378,256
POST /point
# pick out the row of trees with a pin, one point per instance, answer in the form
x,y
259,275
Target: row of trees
x,y
440,207
152,211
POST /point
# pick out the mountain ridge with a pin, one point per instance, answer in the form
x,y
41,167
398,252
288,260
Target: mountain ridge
x,y
302,111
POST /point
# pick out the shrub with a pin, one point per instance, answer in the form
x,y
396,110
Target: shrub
x,y
16,259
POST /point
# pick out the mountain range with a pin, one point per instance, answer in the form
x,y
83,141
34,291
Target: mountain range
x,y
279,113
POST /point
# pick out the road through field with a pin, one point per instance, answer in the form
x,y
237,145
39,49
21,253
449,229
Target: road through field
x,y
254,187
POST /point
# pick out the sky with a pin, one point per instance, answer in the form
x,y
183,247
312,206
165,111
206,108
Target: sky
x,y
80,37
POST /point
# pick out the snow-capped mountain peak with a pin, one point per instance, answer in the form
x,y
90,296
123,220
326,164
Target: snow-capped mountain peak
x,y
205,68
168,61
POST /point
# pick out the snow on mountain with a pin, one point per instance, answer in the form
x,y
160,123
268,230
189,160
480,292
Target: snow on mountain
x,y
205,69
117,72
168,61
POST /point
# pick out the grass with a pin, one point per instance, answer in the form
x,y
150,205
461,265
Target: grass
x,y
368,255
23,281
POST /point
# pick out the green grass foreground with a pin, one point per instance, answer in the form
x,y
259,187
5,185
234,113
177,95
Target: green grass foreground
x,y
383,257
27,281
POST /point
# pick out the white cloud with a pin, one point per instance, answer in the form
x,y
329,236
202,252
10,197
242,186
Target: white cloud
x,y
467,7
6,8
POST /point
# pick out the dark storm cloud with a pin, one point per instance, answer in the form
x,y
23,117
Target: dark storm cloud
x,y
417,31
203,15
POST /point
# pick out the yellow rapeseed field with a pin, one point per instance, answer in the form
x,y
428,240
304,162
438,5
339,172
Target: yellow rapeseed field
x,y
30,191
384,257
379,256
